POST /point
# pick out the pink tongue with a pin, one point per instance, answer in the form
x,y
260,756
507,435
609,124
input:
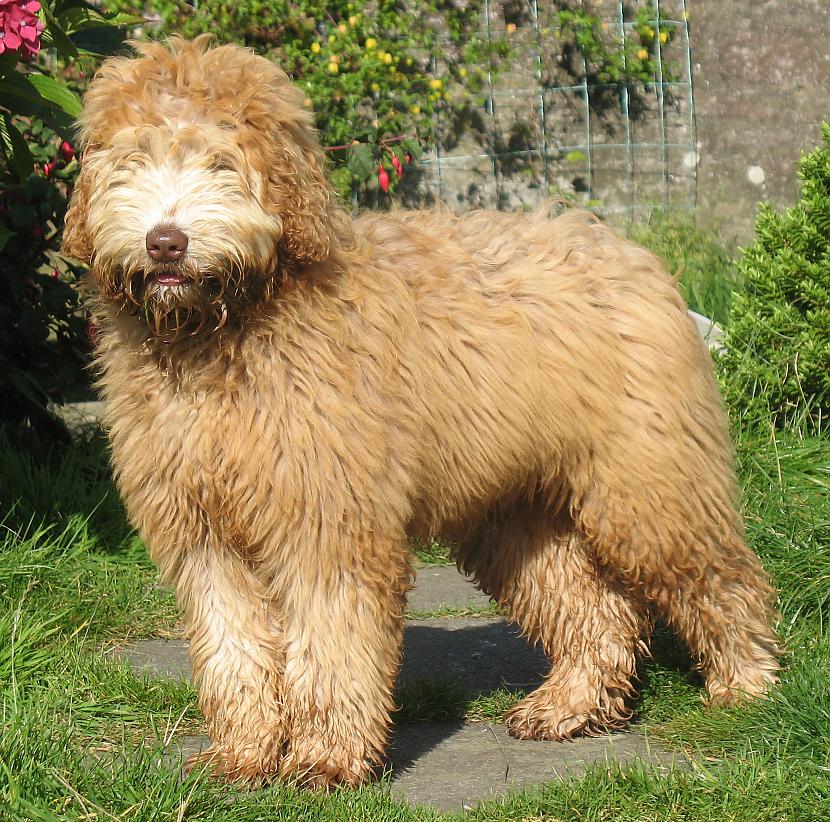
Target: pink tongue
x,y
169,279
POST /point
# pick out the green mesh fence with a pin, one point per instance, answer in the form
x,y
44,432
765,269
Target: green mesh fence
x,y
549,128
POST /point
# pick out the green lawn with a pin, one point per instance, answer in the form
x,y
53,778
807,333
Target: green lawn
x,y
82,735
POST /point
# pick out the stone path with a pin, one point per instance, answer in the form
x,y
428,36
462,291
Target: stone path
x,y
455,765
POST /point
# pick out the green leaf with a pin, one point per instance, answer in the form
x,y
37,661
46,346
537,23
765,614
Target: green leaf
x,y
413,147
360,161
79,18
54,35
100,42
15,148
5,236
16,90
57,93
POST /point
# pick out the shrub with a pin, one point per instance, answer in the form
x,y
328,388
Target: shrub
x,y
384,75
778,360
42,329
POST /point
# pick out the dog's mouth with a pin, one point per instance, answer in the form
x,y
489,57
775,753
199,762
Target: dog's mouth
x,y
168,279
185,301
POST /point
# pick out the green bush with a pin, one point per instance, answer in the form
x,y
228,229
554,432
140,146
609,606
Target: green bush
x,y
42,329
777,365
383,76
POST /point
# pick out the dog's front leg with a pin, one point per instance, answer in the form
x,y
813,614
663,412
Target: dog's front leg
x,y
237,653
344,600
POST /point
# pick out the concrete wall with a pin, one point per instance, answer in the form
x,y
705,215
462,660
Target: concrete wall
x,y
761,73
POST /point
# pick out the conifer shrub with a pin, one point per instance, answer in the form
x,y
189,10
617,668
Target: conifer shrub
x,y
777,363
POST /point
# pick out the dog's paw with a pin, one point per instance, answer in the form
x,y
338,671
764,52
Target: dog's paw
x,y
223,764
539,717
317,766
722,694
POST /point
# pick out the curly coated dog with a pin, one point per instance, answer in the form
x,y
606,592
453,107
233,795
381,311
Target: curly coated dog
x,y
292,395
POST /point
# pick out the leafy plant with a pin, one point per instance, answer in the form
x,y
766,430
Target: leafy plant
x,y
42,330
778,357
607,60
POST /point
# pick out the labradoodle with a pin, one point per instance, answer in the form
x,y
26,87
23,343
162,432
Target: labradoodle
x,y
292,395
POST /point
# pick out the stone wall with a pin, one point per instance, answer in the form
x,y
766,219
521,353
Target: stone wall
x,y
761,72
746,102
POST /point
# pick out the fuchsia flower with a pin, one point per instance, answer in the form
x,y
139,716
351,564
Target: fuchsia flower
x,y
20,27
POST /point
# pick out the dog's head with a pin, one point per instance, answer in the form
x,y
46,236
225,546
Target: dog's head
x,y
202,182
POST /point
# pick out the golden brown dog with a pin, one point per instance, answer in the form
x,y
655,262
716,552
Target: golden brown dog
x,y
292,395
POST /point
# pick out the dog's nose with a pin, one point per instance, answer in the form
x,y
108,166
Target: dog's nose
x,y
166,243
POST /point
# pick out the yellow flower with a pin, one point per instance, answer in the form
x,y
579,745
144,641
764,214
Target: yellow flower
x,y
353,18
371,42
332,37
649,31
642,54
342,28
335,58
375,87
386,57
435,84
447,95
462,72
409,61
333,68
664,36
415,109
511,27
315,48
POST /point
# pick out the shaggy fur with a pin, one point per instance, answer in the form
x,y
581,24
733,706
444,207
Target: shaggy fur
x,y
298,395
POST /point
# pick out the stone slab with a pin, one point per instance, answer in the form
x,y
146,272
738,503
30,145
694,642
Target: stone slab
x,y
456,767
451,766
478,655
443,586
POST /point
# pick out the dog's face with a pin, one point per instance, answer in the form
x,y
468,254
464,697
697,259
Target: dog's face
x,y
201,178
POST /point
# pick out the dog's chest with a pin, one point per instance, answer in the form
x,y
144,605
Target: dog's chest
x,y
209,461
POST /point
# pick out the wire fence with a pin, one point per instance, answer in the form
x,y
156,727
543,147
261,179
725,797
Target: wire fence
x,y
618,147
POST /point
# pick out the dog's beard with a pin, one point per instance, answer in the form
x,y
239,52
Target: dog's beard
x,y
182,301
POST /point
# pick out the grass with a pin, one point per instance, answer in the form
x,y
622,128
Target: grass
x,y
85,738
708,274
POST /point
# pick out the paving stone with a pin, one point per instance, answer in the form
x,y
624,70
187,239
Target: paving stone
x,y
453,765
442,586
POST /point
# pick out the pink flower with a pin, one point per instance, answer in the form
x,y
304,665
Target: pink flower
x,y
20,27
383,178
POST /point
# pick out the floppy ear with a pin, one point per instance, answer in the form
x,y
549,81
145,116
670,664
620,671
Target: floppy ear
x,y
300,195
76,240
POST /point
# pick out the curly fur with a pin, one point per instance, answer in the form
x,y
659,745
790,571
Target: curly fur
x,y
315,391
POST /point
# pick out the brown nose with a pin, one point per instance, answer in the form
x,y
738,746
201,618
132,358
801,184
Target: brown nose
x,y
166,243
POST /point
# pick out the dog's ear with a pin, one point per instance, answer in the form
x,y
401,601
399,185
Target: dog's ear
x,y
299,193
76,240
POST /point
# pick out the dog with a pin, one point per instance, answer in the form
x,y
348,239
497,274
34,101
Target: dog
x,y
293,395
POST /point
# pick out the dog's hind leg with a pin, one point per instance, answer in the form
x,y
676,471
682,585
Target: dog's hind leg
x,y
661,514
533,563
